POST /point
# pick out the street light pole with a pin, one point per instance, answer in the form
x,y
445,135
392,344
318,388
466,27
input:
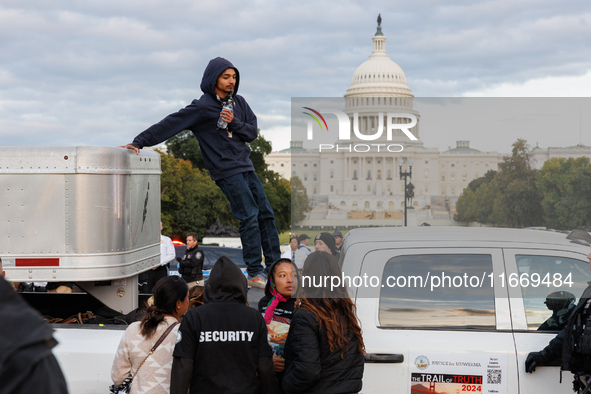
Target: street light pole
x,y
405,175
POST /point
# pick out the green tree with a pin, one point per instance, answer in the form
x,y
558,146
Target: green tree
x,y
485,199
508,197
566,189
260,148
277,190
185,146
520,205
466,207
190,200
516,166
487,178
300,204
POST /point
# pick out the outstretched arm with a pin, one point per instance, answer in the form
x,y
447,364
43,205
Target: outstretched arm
x,y
166,128
131,147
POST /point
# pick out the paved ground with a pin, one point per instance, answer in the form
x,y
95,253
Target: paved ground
x,y
254,295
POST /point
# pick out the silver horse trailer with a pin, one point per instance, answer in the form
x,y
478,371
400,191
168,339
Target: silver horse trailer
x,y
89,215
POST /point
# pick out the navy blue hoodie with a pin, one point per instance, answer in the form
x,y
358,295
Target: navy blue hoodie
x,y
223,156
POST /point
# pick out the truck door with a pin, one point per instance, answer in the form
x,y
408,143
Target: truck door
x,y
543,285
425,333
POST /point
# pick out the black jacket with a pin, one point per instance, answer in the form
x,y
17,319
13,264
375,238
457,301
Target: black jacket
x,y
26,362
310,366
223,156
287,309
191,266
561,345
222,345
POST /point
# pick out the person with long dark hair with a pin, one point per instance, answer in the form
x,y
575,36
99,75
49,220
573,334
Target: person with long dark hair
x,y
171,299
324,348
277,307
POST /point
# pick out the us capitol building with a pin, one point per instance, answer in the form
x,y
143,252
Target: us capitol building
x,y
350,189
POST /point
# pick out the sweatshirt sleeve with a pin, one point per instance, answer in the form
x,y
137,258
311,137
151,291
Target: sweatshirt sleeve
x,y
554,349
303,370
169,126
247,130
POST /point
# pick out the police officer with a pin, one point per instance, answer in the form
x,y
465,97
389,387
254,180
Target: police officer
x,y
561,303
573,343
191,265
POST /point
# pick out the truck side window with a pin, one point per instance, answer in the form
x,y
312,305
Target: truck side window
x,y
457,303
550,287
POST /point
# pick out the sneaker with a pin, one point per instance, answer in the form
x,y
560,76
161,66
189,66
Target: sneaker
x,y
259,281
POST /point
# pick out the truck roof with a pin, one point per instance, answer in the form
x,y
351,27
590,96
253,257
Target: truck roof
x,y
504,236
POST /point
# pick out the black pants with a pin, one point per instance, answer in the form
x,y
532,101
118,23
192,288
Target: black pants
x,y
155,275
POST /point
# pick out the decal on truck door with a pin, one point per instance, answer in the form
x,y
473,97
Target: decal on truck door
x,y
482,373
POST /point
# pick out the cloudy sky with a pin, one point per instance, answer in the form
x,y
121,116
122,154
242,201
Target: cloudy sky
x,y
100,72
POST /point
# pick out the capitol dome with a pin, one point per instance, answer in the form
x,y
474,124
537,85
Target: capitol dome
x,y
379,76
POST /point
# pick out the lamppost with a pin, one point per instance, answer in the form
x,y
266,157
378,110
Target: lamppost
x,y
408,193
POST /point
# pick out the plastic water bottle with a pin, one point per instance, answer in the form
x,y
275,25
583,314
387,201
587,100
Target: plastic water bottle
x,y
222,124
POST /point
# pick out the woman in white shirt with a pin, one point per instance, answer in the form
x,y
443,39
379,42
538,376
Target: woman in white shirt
x,y
171,299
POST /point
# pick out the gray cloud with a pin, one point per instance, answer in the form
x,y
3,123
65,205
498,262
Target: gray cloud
x,y
99,72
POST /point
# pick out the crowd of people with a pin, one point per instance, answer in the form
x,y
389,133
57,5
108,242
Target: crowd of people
x,y
299,340
326,242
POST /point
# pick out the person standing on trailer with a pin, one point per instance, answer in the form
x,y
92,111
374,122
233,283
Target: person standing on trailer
x,y
223,123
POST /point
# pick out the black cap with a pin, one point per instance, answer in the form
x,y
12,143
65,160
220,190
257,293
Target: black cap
x,y
337,233
303,237
328,239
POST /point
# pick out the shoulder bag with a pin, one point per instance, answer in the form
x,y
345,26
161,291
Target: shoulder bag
x,y
124,387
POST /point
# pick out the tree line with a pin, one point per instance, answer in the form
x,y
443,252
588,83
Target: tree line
x,y
558,196
192,202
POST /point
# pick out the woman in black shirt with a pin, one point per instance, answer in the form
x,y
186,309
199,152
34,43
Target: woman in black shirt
x,y
324,348
277,307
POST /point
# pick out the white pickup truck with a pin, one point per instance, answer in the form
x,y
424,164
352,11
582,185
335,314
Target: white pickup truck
x,y
443,310
425,333
457,310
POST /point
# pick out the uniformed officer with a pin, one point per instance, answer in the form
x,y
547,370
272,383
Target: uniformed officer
x,y
573,343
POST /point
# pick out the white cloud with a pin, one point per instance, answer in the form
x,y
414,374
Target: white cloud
x,y
101,71
567,86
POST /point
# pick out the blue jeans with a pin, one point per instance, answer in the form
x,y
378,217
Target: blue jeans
x,y
249,204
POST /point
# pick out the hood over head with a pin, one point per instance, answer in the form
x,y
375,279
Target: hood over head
x,y
22,326
212,72
226,283
270,276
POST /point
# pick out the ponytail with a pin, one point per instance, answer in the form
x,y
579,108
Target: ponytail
x,y
167,292
154,316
